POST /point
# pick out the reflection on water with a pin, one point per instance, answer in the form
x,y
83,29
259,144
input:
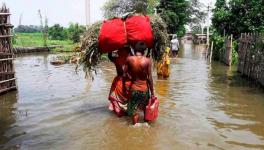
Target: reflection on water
x,y
203,106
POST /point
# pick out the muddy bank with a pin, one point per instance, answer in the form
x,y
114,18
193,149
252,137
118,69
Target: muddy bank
x,y
18,50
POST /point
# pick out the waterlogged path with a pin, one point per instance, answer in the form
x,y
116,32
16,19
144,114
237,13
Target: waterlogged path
x,y
202,106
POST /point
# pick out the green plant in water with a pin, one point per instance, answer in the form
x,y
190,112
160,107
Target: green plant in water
x,y
235,52
218,46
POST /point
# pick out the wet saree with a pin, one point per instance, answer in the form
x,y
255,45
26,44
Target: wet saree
x,y
118,96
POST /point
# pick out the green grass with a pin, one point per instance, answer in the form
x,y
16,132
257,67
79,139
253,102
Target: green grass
x,y
36,39
65,48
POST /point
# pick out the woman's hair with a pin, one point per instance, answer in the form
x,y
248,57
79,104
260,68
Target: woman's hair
x,y
140,46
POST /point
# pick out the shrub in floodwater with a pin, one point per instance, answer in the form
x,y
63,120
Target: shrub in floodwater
x,y
235,52
218,45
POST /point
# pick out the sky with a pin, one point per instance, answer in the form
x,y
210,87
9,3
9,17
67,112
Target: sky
x,y
57,11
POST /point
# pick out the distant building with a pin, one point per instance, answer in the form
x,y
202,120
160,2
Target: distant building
x,y
199,39
188,36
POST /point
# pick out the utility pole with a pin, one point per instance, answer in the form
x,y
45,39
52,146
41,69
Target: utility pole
x,y
44,28
20,19
208,25
88,12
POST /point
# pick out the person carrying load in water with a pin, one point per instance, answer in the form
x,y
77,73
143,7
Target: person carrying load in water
x,y
163,69
138,69
119,93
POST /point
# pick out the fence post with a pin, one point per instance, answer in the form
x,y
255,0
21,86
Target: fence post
x,y
230,51
7,74
211,51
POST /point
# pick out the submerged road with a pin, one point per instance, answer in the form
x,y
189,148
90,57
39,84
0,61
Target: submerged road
x,y
203,106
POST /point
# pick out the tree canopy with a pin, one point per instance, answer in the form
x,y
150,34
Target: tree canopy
x,y
116,8
176,15
238,16
27,29
197,13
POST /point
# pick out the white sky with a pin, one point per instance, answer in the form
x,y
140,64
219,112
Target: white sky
x,y
57,11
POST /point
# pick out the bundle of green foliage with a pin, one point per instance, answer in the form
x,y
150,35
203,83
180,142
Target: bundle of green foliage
x,y
161,38
89,45
117,8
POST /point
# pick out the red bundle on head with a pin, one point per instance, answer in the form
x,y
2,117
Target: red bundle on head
x,y
112,35
116,33
138,28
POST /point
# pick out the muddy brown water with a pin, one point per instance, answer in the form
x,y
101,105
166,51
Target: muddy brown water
x,y
202,106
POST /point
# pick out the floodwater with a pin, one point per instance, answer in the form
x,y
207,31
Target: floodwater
x,y
202,106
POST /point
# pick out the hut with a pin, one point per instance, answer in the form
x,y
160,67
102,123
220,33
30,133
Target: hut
x,y
199,39
7,73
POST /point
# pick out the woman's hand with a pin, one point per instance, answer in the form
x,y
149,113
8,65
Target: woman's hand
x,y
152,96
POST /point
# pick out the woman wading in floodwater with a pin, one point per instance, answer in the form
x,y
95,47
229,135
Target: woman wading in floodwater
x,y
138,69
119,92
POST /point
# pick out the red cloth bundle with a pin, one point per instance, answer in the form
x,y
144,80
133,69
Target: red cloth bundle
x,y
116,33
112,35
139,29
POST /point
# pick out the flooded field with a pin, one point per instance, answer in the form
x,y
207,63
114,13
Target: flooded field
x,y
202,106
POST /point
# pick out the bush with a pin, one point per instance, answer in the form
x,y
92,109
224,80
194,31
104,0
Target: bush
x,y
57,32
75,31
235,53
218,45
14,37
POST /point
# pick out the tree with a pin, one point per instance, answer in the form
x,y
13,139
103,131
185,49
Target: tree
x,y
196,29
239,16
197,14
57,32
27,29
74,32
176,15
246,16
221,17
